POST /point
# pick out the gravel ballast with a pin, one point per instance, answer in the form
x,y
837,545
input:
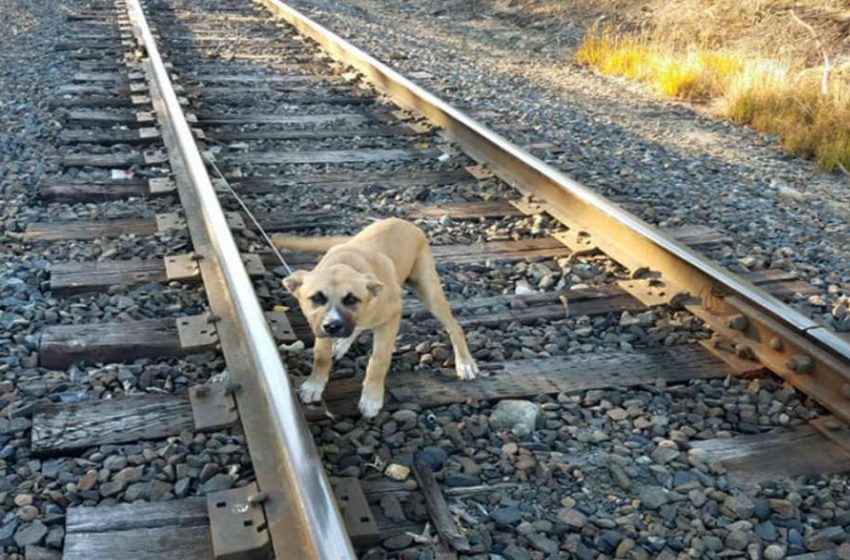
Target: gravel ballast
x,y
613,473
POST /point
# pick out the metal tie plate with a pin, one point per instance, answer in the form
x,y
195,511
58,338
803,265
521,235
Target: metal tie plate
x,y
161,185
238,527
650,291
235,221
579,242
213,407
180,268
197,332
253,265
154,157
145,117
148,132
280,327
527,207
354,507
170,221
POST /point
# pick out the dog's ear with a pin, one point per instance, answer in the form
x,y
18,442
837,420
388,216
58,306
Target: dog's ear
x,y
294,281
373,285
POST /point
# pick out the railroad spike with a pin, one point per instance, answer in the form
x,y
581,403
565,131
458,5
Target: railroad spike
x,y
258,499
233,387
738,322
832,424
802,364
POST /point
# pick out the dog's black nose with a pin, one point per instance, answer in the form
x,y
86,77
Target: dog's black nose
x,y
333,328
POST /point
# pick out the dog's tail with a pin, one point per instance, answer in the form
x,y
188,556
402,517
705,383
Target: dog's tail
x,y
313,244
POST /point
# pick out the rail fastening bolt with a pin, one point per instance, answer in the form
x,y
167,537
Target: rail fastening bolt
x,y
776,344
258,498
738,322
745,352
802,364
832,424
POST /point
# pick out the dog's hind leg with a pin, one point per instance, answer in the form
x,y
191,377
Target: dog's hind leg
x,y
372,397
425,281
311,390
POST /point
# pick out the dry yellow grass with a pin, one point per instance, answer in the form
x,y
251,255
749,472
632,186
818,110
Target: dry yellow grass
x,y
774,97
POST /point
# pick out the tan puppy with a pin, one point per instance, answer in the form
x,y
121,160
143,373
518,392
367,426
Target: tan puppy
x,y
357,286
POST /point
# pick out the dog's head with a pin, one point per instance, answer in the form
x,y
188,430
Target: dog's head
x,y
333,298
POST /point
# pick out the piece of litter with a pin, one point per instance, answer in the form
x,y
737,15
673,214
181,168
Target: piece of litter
x,y
397,472
297,346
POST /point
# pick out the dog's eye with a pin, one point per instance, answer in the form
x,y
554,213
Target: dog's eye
x,y
318,298
350,300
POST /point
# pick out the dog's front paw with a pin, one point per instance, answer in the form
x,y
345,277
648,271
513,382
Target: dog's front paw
x,y
466,370
311,390
371,403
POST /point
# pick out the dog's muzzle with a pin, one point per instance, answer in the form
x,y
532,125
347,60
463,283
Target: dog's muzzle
x,y
336,325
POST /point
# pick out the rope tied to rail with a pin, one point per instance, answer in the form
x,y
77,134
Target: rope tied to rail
x,y
211,161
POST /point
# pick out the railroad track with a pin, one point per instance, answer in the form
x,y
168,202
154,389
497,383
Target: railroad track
x,y
633,389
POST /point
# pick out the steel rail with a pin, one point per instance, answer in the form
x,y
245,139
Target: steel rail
x,y
776,333
303,519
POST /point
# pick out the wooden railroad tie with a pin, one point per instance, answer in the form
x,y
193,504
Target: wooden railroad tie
x,y
63,345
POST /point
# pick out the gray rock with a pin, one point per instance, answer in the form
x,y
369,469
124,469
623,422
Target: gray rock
x,y
157,489
653,497
398,542
432,456
737,540
460,480
620,477
506,516
55,537
391,508
108,489
513,552
7,532
664,454
767,531
129,474
572,518
738,507
218,482
181,487
784,509
115,462
406,419
31,533
208,471
820,540
33,552
516,415
774,552
135,492
542,543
